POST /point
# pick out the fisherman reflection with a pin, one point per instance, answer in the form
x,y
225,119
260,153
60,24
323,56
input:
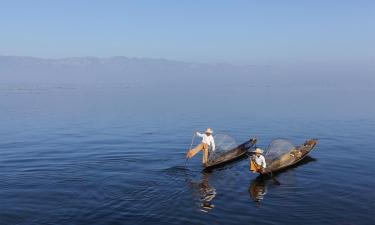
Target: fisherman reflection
x,y
257,191
206,193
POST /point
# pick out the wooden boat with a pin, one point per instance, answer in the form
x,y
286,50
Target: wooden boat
x,y
231,155
289,158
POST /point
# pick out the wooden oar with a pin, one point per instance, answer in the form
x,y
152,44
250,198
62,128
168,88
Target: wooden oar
x,y
191,145
274,179
186,162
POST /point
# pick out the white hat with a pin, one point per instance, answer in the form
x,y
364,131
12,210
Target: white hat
x,y
209,130
258,150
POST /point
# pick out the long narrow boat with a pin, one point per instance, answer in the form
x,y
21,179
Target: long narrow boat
x,y
231,155
289,158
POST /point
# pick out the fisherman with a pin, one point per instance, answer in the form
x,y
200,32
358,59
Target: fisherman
x,y
258,162
208,143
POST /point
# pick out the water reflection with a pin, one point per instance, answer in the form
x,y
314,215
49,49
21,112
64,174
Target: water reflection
x,y
259,186
257,190
205,191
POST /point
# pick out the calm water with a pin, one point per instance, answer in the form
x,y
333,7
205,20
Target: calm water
x,y
114,154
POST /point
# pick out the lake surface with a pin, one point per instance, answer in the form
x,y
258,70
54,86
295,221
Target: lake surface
x,y
115,154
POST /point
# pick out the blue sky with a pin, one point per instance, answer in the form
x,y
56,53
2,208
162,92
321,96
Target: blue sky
x,y
201,31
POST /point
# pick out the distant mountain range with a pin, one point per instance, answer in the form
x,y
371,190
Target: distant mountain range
x,y
146,71
115,69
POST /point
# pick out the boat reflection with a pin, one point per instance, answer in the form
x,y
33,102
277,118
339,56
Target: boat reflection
x,y
259,186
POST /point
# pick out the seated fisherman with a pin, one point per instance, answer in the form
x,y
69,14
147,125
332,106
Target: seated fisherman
x,y
257,161
208,142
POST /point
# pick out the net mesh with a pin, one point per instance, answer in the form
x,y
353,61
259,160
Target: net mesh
x,y
223,144
277,148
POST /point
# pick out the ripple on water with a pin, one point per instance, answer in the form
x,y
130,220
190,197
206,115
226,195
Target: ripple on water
x,y
108,163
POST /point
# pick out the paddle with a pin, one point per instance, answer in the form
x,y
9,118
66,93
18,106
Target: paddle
x,y
191,145
274,179
186,161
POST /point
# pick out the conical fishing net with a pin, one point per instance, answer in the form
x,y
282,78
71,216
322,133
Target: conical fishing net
x,y
223,144
277,149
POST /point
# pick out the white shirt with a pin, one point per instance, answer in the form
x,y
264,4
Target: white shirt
x,y
207,140
261,161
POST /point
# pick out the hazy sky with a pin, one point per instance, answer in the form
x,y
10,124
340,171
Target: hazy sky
x,y
202,31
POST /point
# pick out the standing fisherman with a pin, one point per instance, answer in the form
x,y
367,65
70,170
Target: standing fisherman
x,y
207,143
